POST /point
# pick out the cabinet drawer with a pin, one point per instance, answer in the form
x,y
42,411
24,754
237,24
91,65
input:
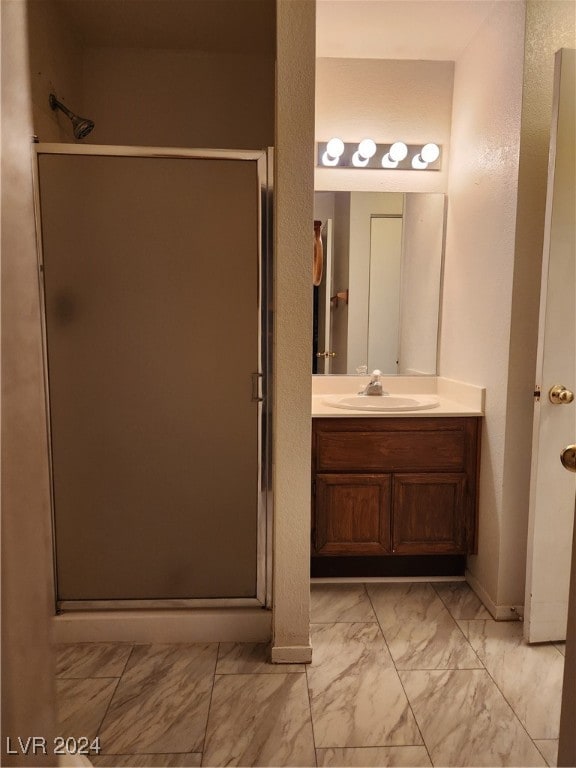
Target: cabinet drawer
x,y
402,445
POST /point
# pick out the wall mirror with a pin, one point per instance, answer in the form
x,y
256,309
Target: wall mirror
x,y
378,303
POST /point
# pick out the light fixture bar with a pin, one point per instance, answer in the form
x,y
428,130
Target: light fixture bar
x,y
393,156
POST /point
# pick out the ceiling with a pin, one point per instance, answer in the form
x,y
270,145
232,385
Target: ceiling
x,y
206,26
398,29
379,29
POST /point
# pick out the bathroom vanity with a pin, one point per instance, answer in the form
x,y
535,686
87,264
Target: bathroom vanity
x,y
394,493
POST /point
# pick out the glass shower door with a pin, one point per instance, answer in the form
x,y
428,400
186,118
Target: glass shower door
x,y
152,286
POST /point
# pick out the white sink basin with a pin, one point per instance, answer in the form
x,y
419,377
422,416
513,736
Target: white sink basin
x,y
383,403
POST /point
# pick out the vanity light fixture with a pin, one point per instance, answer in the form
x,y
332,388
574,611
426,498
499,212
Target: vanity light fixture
x,y
396,155
366,150
334,149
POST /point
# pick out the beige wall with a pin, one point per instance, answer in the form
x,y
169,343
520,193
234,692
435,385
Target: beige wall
x,y
294,206
479,261
27,660
550,25
387,101
55,67
179,98
147,96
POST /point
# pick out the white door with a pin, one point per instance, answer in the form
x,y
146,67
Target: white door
x,y
552,488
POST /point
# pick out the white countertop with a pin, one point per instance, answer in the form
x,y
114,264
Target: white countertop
x,y
456,398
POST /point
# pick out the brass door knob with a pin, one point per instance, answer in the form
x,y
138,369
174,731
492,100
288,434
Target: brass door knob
x,y
560,395
568,458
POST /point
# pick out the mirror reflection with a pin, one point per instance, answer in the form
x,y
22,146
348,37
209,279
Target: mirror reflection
x,y
377,305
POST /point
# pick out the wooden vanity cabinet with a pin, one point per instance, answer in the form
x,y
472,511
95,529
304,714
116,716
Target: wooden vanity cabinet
x,y
394,486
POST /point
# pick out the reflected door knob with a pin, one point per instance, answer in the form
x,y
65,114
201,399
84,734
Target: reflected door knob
x,y
325,354
568,458
560,395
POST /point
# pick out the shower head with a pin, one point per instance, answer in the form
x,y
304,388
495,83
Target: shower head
x,y
82,125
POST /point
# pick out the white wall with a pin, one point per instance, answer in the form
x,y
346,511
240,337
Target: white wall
x,y
179,98
294,208
28,704
387,101
479,261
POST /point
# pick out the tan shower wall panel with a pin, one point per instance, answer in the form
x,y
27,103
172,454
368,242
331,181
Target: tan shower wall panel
x,y
151,275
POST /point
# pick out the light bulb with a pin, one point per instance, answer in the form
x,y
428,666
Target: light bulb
x,y
358,161
430,152
419,164
398,151
367,148
387,161
327,160
335,147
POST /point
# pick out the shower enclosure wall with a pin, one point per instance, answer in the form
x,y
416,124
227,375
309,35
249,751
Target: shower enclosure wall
x,y
155,274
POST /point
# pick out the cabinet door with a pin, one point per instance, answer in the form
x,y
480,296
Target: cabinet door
x,y
429,514
352,515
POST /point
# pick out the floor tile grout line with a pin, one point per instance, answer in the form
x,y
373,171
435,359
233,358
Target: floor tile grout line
x,y
458,618
459,629
92,677
135,754
311,715
470,669
516,715
356,621
132,646
398,675
540,751
399,678
127,659
505,697
210,703
107,709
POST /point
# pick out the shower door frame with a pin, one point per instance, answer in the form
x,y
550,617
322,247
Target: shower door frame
x,y
263,376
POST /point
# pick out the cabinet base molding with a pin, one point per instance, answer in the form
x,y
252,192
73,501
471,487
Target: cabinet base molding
x,y
389,565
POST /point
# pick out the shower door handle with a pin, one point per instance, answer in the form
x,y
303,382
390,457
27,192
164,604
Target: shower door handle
x,y
257,396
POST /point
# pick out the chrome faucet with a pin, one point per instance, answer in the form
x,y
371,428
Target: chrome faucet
x,y
374,386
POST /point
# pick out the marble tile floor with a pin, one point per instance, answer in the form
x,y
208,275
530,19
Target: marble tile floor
x,y
402,675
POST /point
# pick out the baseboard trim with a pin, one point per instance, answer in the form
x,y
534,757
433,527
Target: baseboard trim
x,y
291,654
242,625
498,612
